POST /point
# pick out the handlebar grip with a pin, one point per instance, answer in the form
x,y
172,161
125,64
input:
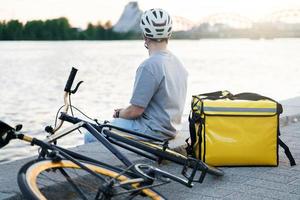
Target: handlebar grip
x,y
70,79
68,118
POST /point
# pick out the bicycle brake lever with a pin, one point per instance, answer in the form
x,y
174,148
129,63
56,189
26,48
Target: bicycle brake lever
x,y
76,88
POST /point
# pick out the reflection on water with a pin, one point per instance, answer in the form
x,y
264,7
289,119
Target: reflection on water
x,y
33,74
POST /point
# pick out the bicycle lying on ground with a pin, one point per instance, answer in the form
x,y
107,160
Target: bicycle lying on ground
x,y
81,177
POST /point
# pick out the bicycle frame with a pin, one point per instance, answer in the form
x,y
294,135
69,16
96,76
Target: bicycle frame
x,y
107,137
101,137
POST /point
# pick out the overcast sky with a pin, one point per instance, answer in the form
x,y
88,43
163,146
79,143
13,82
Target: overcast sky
x,y
80,12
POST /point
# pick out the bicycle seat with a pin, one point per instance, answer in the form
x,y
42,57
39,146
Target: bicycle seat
x,y
4,130
7,133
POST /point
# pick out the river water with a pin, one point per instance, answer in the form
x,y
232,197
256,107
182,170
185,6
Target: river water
x,y
33,75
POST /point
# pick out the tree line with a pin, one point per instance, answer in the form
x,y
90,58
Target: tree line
x,y
59,29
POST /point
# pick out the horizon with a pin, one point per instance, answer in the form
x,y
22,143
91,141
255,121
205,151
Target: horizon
x,y
112,10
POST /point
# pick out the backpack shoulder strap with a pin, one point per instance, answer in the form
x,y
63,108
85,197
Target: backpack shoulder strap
x,y
287,152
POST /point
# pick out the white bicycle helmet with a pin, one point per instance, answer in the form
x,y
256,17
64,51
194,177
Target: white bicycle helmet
x,y
156,24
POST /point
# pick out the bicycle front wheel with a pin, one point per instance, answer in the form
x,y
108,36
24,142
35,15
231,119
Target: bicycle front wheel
x,y
65,180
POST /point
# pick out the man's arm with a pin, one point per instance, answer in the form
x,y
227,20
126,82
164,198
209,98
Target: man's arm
x,y
131,112
145,86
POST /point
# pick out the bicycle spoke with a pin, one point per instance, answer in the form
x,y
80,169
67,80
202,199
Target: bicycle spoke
x,y
68,178
134,194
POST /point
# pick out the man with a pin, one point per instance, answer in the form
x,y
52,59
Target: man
x,y
159,93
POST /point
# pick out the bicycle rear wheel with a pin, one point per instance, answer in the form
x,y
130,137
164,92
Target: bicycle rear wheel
x,y
65,180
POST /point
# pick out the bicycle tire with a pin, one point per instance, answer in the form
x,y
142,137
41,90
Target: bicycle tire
x,y
158,151
32,188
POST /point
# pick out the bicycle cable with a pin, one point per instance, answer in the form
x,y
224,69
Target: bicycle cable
x,y
56,117
71,105
71,109
72,113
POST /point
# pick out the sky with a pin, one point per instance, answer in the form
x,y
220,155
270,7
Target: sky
x,y
80,12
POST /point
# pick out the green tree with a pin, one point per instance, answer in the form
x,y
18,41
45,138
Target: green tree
x,y
90,32
64,28
34,30
100,31
2,28
58,29
13,30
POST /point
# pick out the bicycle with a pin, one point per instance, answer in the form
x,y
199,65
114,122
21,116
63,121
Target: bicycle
x,y
86,177
157,149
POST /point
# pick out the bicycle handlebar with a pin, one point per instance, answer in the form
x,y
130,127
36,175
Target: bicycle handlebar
x,y
70,80
68,91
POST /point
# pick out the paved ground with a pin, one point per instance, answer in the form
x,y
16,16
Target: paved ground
x,y
281,182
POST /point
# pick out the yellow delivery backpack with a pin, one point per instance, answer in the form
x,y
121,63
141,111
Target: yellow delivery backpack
x,y
235,130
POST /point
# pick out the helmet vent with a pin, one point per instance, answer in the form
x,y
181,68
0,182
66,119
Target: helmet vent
x,y
149,35
154,13
159,24
159,30
143,22
147,19
147,30
161,13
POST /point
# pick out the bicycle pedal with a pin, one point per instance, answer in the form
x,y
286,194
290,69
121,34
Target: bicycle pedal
x,y
202,176
194,164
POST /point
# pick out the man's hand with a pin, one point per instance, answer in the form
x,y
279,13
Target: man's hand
x,y
117,113
131,112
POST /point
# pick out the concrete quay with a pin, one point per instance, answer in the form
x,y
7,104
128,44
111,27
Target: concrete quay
x,y
282,182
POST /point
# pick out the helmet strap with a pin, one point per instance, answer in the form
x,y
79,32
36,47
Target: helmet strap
x,y
146,45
